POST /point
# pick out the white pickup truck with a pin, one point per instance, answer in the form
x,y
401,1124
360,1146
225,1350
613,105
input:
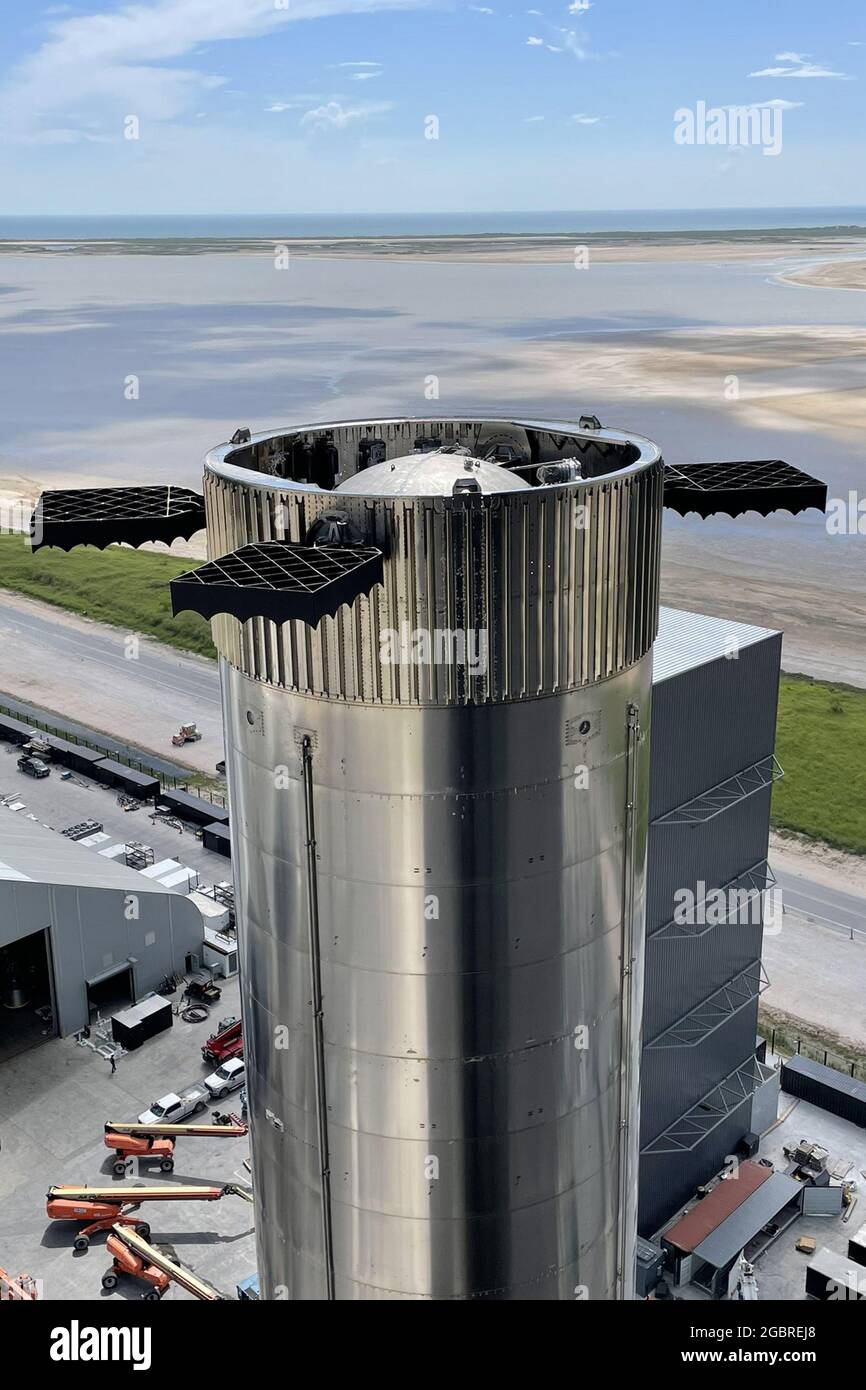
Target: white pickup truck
x,y
173,1108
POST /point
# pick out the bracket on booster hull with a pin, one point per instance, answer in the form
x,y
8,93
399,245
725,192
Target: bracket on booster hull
x,y
765,485
279,580
102,516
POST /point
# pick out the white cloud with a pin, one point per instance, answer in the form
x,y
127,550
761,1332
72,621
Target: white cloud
x,y
568,41
481,9
334,116
121,61
530,120
296,103
798,65
575,45
578,6
362,63
364,76
581,119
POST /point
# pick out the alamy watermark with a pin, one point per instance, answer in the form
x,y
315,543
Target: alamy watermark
x,y
18,517
730,126
445,646
698,907
846,516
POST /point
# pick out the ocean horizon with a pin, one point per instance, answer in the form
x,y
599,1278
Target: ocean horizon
x,y
99,227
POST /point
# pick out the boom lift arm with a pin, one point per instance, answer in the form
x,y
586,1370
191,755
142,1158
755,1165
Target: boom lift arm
x,y
135,1256
17,1289
156,1142
102,1207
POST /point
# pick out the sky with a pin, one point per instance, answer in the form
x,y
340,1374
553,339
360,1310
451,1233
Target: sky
x,y
275,106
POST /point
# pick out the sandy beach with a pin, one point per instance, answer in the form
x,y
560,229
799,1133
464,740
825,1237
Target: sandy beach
x,y
488,249
832,275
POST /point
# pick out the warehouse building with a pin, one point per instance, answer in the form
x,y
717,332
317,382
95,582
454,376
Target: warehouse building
x,y
79,933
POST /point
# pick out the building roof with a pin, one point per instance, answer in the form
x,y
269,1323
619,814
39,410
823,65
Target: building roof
x,y
828,1077
33,852
724,1244
693,1228
687,640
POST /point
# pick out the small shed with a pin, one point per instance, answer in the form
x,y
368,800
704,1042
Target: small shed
x,y
706,1243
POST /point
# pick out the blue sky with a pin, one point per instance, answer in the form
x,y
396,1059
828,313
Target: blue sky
x,y
320,105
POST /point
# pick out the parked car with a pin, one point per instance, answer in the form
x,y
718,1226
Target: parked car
x,y
173,1108
34,767
228,1077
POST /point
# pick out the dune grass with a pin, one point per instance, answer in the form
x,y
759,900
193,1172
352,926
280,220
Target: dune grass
x,y
127,588
821,738
821,744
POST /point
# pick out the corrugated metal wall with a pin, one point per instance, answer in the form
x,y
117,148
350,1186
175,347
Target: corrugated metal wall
x,y
723,712
715,851
678,969
709,723
92,930
668,1180
675,1078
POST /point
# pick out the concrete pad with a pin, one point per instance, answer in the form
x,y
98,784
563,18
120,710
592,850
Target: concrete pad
x,y
54,1102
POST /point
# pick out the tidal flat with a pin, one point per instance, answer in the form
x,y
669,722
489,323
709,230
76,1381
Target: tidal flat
x,y
127,366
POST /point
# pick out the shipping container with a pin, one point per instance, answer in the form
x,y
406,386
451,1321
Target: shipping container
x,y
127,779
831,1277
14,730
216,837
144,1020
193,808
824,1086
76,756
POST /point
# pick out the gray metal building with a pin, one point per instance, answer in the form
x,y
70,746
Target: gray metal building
x,y
80,931
715,690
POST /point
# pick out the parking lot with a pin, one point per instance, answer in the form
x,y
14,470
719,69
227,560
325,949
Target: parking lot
x,y
782,1270
56,1097
54,1101
60,803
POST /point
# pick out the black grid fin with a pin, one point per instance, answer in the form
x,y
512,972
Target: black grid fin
x,y
279,580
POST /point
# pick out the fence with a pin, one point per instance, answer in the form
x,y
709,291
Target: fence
x,y
786,1044
157,768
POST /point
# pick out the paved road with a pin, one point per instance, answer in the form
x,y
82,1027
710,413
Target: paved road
x,y
827,907
167,686
102,647
82,670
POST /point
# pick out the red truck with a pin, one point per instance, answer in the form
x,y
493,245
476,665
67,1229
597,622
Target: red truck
x,y
225,1043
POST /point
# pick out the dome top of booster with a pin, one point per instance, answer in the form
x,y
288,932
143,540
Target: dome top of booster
x,y
431,474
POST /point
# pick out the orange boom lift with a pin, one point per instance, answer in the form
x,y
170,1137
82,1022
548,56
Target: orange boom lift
x,y
155,1143
22,1289
134,1256
102,1207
